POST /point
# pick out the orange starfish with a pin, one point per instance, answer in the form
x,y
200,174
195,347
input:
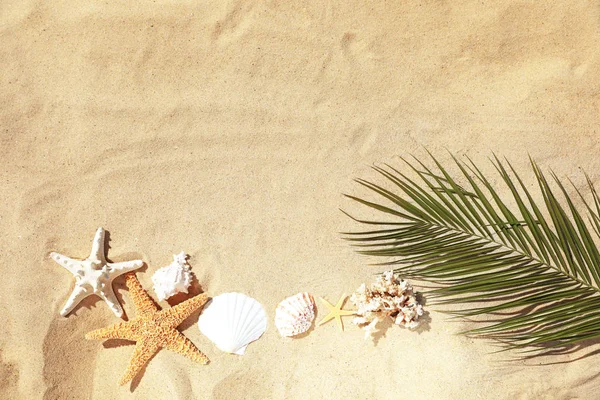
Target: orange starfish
x,y
152,329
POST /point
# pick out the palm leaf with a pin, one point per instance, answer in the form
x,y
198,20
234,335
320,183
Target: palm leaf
x,y
532,264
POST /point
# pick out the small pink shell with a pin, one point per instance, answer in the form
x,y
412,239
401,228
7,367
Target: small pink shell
x,y
295,314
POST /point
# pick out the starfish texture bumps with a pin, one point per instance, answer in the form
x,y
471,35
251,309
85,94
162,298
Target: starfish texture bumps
x,y
336,311
94,275
152,329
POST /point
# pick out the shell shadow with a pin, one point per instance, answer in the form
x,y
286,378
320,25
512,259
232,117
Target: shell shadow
x,y
194,290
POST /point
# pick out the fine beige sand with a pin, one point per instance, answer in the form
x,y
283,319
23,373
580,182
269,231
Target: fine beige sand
x,y
230,130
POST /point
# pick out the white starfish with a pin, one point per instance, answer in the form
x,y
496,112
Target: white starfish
x,y
94,275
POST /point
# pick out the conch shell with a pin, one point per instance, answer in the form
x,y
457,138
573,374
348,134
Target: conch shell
x,y
172,279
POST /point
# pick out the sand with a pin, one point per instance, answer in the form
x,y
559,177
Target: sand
x,y
230,130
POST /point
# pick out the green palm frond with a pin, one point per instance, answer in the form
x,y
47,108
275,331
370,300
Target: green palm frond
x,y
533,265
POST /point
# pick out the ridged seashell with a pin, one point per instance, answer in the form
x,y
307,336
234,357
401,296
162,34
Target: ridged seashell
x,y
232,321
172,279
295,314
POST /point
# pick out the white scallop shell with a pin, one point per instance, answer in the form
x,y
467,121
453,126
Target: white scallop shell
x,y
232,321
295,314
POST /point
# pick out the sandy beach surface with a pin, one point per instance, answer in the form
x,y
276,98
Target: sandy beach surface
x,y
229,130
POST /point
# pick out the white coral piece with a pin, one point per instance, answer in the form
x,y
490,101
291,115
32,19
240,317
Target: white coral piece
x,y
389,296
172,279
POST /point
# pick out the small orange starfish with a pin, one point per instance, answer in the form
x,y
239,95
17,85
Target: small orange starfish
x,y
336,311
152,329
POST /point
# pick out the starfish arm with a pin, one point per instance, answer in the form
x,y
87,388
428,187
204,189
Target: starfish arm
x,y
183,310
144,350
142,301
108,295
327,304
340,302
339,322
121,330
121,268
79,293
67,263
97,253
325,319
182,345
